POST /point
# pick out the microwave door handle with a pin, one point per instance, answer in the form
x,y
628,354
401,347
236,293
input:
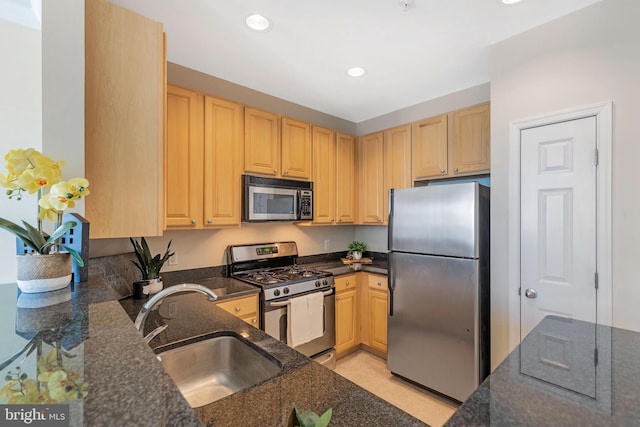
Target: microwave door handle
x,y
299,203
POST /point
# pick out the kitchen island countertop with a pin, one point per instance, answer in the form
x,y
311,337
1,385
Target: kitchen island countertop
x,y
126,385
555,378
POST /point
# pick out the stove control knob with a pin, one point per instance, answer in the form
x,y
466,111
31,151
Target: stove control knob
x,y
324,282
276,292
286,291
318,283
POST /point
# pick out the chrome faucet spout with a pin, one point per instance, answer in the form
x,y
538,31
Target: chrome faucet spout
x,y
146,308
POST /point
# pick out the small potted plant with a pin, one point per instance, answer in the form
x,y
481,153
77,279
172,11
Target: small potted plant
x,y
149,266
356,249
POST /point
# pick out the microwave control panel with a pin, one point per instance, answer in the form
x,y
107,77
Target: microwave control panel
x,y
306,204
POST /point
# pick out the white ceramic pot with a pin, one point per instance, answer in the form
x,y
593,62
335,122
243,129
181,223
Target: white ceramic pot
x,y
144,288
43,273
356,254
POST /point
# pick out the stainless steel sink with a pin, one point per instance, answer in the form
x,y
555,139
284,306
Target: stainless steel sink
x,y
211,369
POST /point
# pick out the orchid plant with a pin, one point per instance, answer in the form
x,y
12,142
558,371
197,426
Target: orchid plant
x,y
32,172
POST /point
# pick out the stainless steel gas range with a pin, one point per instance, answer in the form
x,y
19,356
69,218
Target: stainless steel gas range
x,y
273,268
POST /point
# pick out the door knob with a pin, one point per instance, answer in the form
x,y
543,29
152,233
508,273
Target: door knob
x,y
530,293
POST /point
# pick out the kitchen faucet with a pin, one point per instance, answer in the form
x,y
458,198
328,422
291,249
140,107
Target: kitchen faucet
x,y
146,308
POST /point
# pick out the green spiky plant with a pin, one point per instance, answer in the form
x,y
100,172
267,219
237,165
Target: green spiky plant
x,y
311,419
36,239
149,265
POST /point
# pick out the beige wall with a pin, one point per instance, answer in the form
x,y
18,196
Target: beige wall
x,y
590,56
205,248
20,122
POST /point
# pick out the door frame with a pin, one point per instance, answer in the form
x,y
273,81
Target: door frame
x,y
603,113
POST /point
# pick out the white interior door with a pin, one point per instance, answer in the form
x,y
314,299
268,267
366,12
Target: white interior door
x,y
558,250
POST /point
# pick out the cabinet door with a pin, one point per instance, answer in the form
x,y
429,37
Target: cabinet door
x,y
324,175
429,148
397,160
183,158
223,162
470,141
345,188
261,142
296,149
124,116
378,319
370,179
346,320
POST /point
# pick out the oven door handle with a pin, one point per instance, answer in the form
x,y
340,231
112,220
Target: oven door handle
x,y
283,303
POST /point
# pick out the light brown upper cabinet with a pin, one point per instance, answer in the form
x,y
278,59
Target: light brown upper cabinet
x,y
261,142
124,121
454,144
296,149
223,123
397,160
271,149
345,179
429,147
469,147
184,163
333,176
324,175
203,165
371,204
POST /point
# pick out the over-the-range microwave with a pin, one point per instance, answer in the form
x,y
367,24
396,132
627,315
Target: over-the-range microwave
x,y
276,199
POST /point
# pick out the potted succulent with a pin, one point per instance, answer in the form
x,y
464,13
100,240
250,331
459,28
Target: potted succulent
x,y
48,268
356,249
149,266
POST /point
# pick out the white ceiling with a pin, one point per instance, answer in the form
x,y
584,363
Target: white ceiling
x,y
433,48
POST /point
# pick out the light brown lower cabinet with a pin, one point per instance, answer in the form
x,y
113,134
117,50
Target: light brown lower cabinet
x,y
361,313
245,308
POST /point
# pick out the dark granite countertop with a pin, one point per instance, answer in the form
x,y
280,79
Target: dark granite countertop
x,y
125,384
338,268
555,378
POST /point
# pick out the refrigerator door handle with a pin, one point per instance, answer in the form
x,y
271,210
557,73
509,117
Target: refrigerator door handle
x,y
390,226
392,285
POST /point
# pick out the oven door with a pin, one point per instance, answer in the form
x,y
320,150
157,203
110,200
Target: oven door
x,y
275,324
271,203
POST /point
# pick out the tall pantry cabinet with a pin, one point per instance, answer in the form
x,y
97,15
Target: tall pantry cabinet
x,y
124,116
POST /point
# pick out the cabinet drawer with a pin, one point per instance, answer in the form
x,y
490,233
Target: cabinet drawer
x,y
345,282
378,282
241,307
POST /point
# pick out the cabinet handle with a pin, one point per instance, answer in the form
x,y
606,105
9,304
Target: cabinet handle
x,y
340,220
347,283
286,172
455,169
337,298
442,171
379,283
275,171
254,321
209,221
194,222
238,308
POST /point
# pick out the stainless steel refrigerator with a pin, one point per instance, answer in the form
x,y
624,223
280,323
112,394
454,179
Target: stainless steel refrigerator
x,y
438,323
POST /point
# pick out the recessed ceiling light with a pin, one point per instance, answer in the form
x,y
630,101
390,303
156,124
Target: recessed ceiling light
x,y
356,71
257,22
509,2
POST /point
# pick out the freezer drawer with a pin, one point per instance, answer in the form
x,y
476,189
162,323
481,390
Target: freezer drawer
x,y
433,331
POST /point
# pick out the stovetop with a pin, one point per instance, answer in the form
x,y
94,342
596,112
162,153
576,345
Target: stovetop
x,y
280,276
272,266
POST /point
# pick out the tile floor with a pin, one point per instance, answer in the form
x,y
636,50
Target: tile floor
x,y
370,372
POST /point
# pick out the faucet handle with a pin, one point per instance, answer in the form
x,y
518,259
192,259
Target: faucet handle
x,y
151,335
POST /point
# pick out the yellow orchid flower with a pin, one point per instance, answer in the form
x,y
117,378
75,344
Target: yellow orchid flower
x,y
79,188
